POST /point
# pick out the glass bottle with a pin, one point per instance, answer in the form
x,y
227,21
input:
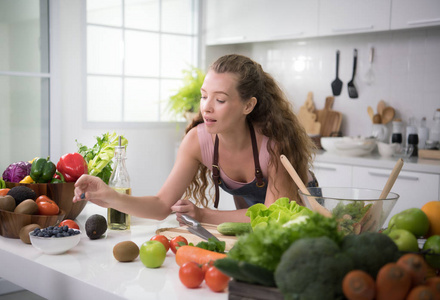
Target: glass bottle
x,y
120,182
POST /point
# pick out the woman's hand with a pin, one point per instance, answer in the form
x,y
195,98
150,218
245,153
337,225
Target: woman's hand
x,y
188,208
93,189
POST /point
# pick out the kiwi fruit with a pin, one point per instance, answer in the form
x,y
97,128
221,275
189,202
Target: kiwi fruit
x,y
28,207
126,251
7,203
21,193
96,226
24,232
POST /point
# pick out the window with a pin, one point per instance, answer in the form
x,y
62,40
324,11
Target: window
x,y
24,80
136,51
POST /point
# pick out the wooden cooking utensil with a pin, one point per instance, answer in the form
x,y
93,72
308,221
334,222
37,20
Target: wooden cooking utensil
x,y
377,119
370,112
388,114
380,107
313,203
372,216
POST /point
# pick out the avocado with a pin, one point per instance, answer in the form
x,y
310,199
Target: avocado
x,y
96,226
21,193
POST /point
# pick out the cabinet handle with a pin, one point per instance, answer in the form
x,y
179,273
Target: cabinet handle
x,y
364,28
413,178
326,168
231,39
422,22
286,36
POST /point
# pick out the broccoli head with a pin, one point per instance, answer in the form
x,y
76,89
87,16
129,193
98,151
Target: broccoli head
x,y
312,268
370,251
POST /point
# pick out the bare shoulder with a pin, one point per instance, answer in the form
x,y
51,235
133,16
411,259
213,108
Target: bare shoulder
x,y
190,145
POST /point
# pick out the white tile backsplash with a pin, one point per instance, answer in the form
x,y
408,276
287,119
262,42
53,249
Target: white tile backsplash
x,y
406,68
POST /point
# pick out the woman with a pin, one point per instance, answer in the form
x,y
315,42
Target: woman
x,y
245,123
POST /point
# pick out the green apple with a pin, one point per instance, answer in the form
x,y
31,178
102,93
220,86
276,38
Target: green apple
x,y
404,240
412,219
433,243
152,254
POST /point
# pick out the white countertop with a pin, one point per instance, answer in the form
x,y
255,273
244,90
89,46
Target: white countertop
x,y
89,271
376,161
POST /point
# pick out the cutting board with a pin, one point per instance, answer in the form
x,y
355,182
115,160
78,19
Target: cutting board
x,y
330,120
307,116
192,238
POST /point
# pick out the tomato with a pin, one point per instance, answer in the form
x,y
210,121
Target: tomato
x,y
191,275
216,280
206,266
4,192
163,239
46,206
174,243
70,223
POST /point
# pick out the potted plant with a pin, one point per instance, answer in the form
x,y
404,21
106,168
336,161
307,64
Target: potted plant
x,y
186,100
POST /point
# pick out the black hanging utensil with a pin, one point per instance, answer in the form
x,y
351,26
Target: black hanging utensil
x,y
352,92
337,83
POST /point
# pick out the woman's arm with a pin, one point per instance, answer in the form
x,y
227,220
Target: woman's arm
x,y
280,185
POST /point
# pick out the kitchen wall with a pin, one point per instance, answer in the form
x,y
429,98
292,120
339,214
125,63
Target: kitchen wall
x,y
406,67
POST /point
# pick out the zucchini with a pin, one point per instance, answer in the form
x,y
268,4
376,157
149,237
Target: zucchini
x,y
231,268
258,274
234,228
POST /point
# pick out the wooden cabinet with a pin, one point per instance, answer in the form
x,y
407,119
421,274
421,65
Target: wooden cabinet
x,y
414,188
333,175
233,22
353,16
415,13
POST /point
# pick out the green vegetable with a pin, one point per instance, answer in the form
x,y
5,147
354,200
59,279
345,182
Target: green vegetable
x,y
2,183
370,251
99,158
313,268
280,211
350,214
212,245
42,170
231,268
234,228
266,244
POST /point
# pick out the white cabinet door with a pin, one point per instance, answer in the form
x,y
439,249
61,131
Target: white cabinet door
x,y
332,175
353,16
415,13
243,21
414,188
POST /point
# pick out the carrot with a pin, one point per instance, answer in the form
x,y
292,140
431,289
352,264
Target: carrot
x,y
393,282
195,254
434,282
415,264
4,192
421,292
358,285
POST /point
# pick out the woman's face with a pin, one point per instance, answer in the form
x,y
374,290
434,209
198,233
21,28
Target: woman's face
x,y
221,106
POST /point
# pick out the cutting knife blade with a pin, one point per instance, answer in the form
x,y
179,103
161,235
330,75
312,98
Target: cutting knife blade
x,y
196,228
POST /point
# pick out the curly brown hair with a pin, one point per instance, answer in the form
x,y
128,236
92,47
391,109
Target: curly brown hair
x,y
273,116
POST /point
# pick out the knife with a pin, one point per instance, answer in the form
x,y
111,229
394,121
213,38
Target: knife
x,y
196,228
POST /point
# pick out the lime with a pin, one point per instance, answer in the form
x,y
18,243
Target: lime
x,y
433,258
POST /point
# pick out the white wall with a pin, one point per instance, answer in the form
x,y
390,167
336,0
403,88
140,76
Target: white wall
x,y
406,67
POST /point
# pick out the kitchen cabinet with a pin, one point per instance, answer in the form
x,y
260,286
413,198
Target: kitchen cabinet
x,y
414,188
411,13
353,16
233,22
333,175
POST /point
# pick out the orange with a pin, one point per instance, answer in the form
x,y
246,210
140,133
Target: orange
x,y
432,211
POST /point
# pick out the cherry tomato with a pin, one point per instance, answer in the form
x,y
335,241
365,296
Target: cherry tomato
x,y
174,243
46,206
4,192
216,280
191,275
70,223
163,239
206,266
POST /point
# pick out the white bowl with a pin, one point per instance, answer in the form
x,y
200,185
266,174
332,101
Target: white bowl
x,y
55,245
387,150
348,146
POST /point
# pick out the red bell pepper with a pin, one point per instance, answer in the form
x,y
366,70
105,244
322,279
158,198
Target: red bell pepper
x,y
72,166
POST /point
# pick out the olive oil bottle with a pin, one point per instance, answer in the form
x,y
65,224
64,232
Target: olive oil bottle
x,y
120,182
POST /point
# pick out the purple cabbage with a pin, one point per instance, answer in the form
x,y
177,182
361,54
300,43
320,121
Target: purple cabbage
x,y
17,171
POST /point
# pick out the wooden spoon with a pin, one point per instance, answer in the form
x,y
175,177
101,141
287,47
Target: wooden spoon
x,y
388,114
370,112
313,203
380,107
377,119
371,218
